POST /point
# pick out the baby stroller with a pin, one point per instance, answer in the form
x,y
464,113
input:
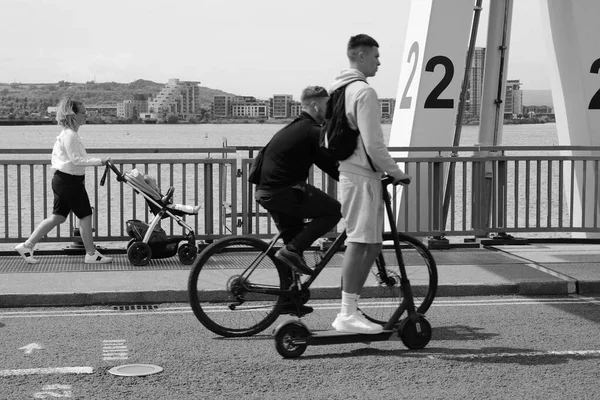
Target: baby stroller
x,y
150,240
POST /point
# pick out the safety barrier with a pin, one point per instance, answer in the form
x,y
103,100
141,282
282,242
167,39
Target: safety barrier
x,y
509,189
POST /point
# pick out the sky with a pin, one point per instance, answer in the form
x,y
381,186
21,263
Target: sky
x,y
250,48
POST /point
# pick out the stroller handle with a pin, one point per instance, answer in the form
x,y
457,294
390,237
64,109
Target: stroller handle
x,y
109,165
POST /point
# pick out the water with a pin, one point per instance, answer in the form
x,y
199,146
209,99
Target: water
x,y
215,135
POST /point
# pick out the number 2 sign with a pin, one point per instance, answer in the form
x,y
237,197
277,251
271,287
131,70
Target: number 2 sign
x,y
572,31
433,63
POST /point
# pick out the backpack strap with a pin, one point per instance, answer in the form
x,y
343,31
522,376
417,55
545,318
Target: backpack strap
x,y
364,147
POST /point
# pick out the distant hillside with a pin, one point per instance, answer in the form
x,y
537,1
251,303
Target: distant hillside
x,y
47,94
537,98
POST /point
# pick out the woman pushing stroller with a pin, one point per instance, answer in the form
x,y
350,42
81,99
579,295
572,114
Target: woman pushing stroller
x,y
69,159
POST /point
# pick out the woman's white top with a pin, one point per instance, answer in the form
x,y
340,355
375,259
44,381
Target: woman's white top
x,y
69,155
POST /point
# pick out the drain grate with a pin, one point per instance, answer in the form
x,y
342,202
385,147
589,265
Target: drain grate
x,y
135,307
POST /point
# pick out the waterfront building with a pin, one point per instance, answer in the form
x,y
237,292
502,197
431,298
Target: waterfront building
x,y
140,103
386,108
178,97
250,109
221,106
472,109
281,105
102,109
538,111
513,99
295,109
125,109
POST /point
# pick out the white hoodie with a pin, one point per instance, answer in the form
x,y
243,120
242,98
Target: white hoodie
x,y
362,111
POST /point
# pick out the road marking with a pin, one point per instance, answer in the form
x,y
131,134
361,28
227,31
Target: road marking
x,y
322,306
30,347
594,353
47,371
115,349
589,300
54,390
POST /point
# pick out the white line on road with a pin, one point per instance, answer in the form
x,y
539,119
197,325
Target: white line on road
x,y
322,306
47,371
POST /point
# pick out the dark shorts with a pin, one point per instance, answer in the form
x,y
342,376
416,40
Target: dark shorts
x,y
70,195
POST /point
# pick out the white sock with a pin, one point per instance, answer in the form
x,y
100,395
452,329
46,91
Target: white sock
x,y
349,303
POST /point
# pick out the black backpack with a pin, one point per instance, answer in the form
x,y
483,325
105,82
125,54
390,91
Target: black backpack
x,y
338,140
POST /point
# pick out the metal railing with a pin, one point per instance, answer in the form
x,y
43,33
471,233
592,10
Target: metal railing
x,y
509,189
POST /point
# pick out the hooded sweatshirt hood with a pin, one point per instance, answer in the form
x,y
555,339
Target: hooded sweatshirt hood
x,y
345,77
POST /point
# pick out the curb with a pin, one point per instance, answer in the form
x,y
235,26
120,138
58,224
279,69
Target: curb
x,y
551,288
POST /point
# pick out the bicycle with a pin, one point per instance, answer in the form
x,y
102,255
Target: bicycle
x,y
238,288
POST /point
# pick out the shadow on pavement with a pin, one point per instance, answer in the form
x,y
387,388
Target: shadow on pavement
x,y
461,332
488,355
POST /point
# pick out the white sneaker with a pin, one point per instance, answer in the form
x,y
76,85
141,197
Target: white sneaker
x,y
26,253
355,323
97,258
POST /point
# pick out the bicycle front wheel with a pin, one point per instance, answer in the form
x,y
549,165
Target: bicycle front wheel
x,y
382,295
234,287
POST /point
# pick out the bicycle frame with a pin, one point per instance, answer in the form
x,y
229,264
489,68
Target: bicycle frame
x,y
298,288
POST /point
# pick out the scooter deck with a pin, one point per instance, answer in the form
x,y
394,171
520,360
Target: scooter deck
x,y
316,338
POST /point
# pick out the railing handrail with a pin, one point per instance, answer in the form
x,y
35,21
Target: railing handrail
x,y
234,149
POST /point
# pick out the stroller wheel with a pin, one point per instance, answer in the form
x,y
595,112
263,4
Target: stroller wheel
x,y
187,253
139,253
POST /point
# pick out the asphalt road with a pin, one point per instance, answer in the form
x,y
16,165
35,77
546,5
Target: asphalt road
x,y
482,348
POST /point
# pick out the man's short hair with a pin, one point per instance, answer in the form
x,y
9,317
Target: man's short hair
x,y
361,40
312,92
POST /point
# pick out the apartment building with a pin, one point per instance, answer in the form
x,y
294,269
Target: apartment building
x,y
178,97
250,109
281,105
140,103
102,109
125,109
475,86
386,108
513,99
221,106
295,109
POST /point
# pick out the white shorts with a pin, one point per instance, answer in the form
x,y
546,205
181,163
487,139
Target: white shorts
x,y
362,207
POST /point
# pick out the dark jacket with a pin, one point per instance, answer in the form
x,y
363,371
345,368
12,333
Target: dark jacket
x,y
291,153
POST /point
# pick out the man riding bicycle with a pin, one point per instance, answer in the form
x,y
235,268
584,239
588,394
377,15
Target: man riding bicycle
x,y
283,189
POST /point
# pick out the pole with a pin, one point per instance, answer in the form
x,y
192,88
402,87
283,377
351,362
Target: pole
x,y
461,108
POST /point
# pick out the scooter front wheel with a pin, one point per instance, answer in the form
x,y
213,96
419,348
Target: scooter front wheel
x,y
290,340
417,335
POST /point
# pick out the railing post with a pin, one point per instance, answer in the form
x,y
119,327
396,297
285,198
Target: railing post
x,y
502,190
438,241
208,199
478,195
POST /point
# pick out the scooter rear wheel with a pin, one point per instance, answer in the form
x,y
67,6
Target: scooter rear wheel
x,y
290,340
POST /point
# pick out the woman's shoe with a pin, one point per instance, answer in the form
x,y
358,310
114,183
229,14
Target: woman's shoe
x,y
97,258
26,253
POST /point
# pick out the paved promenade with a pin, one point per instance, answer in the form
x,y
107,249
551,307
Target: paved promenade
x,y
534,269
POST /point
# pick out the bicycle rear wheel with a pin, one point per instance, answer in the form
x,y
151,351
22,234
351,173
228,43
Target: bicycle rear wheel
x,y
227,297
381,295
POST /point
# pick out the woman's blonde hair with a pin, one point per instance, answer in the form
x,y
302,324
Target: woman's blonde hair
x,y
66,110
